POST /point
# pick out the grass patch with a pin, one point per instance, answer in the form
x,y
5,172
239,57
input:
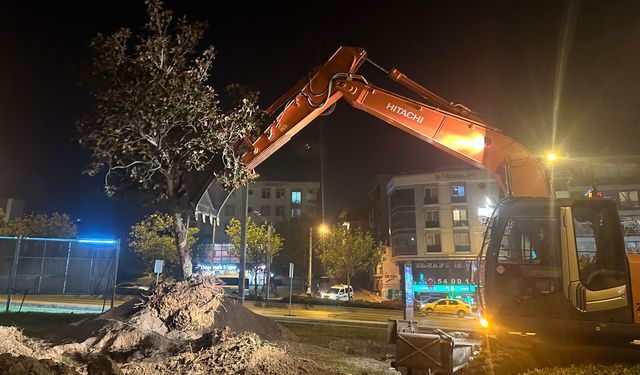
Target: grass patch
x,y
39,324
587,370
323,335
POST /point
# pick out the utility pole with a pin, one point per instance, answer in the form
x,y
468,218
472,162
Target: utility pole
x,y
310,260
269,249
244,213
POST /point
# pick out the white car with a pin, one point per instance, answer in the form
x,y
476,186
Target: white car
x,y
338,292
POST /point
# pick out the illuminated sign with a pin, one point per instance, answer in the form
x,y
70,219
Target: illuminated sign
x,y
220,268
408,285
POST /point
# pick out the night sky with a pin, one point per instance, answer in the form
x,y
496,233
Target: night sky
x,y
512,62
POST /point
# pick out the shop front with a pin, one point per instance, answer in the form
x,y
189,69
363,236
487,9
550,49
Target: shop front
x,y
444,279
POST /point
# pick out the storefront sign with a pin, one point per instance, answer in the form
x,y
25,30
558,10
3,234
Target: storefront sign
x,y
443,272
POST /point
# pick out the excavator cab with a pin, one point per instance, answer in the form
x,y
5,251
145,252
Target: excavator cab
x,y
558,267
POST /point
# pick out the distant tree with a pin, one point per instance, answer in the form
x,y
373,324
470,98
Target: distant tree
x,y
39,225
295,247
153,238
157,120
344,253
257,244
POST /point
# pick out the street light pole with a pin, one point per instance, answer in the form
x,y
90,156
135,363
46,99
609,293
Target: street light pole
x,y
310,260
269,249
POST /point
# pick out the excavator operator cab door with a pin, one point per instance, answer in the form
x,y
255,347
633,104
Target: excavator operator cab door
x,y
594,262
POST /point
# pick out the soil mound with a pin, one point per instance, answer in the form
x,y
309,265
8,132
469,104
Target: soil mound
x,y
228,353
240,319
23,365
12,341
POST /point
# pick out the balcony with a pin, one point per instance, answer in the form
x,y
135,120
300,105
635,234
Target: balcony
x,y
458,198
463,248
432,224
461,223
430,200
434,248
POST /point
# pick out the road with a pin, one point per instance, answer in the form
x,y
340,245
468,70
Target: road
x,y
320,314
358,315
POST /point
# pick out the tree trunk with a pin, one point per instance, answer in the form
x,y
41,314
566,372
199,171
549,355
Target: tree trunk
x,y
181,231
348,285
255,281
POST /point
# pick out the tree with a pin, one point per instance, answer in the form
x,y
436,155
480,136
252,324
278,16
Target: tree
x,y
344,253
39,225
153,238
157,120
295,245
258,244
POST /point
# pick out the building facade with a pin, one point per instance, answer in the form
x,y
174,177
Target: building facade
x,y
268,201
436,224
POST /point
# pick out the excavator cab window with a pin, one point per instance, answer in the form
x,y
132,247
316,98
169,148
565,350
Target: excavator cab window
x,y
528,261
598,247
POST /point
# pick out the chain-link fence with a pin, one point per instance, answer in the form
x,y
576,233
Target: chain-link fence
x,y
58,266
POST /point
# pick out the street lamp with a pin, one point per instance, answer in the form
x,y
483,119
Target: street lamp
x,y
323,229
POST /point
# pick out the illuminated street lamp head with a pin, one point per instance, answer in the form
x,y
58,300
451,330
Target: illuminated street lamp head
x,y
324,228
551,156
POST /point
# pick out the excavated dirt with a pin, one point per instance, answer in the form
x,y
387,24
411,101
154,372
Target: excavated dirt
x,y
23,365
184,328
228,353
240,319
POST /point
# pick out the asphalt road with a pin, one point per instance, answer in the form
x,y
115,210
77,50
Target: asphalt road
x,y
280,311
360,315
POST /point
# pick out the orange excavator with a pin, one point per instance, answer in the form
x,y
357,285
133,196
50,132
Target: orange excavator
x,y
548,266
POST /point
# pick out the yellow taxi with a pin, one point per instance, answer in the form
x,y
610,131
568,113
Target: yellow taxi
x,y
447,306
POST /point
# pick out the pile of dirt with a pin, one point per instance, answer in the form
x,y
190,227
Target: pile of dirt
x,y
23,365
228,353
238,318
12,341
165,323
186,306
22,355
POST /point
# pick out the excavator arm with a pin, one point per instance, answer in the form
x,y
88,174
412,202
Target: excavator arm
x,y
452,128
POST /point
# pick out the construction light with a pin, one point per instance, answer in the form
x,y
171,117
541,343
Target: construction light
x,y
552,156
484,323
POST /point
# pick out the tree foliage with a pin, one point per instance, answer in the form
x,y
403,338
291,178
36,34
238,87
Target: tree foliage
x,y
259,243
153,238
344,253
156,117
39,225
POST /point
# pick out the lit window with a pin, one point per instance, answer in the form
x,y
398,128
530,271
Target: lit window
x,y
296,197
458,193
460,217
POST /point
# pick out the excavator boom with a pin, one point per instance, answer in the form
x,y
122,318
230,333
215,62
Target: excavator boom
x,y
451,128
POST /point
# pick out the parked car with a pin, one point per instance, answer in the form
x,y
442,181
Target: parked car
x,y
338,292
448,306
